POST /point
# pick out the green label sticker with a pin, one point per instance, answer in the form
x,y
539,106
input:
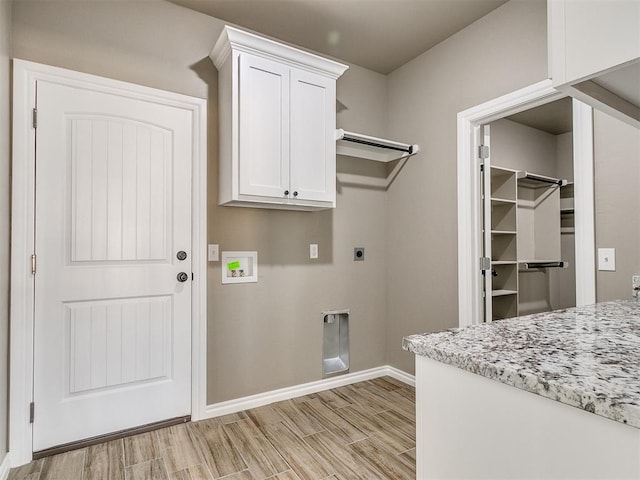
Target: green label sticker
x,y
233,265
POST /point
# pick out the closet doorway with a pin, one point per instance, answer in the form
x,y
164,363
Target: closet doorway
x,y
525,205
529,212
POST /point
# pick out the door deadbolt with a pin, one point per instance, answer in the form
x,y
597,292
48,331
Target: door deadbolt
x,y
182,277
181,255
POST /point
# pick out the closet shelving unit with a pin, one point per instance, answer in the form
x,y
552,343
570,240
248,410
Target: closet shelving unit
x,y
378,149
504,257
524,220
567,209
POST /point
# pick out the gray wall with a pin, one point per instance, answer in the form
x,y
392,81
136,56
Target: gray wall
x,y
5,189
269,335
266,335
150,43
617,197
520,147
499,53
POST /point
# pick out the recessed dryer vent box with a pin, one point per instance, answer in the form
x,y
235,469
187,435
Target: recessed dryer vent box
x,y
335,343
239,267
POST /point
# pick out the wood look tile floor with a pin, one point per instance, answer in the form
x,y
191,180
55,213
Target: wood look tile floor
x,y
360,431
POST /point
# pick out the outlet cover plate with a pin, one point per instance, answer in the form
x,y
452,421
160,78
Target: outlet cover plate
x,y
358,254
607,259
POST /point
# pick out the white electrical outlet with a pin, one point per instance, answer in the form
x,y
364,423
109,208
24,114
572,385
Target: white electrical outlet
x,y
313,250
607,259
213,253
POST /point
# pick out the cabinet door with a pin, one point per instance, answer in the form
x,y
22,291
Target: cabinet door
x,y
313,146
264,127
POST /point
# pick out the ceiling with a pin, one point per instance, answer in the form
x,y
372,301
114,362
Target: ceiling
x,y
555,118
380,35
623,82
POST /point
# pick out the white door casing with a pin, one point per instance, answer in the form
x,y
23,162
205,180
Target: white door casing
x,y
470,280
123,275
485,141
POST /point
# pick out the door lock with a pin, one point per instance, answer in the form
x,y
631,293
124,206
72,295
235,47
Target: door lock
x,y
181,255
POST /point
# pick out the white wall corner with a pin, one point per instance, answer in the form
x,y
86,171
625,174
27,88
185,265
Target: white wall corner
x,y
584,193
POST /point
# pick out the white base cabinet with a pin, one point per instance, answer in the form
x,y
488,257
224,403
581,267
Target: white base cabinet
x,y
277,124
472,427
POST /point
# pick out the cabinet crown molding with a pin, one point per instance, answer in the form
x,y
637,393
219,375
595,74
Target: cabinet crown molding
x,y
233,38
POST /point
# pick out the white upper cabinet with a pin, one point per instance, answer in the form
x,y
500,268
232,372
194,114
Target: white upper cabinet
x,y
277,124
594,53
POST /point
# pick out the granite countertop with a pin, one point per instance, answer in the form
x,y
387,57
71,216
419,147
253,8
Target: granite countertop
x,y
587,357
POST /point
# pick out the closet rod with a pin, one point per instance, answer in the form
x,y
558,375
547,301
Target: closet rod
x,y
530,265
538,178
408,150
541,178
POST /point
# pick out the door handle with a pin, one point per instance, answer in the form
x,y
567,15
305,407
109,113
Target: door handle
x,y
182,277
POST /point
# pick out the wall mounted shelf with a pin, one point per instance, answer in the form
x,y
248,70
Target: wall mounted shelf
x,y
372,148
503,292
358,145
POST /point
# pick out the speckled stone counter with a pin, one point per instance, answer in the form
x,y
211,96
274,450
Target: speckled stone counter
x,y
587,357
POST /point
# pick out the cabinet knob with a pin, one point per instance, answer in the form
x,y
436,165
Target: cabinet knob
x,y
295,194
286,193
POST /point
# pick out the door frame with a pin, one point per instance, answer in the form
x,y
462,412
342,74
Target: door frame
x,y
21,351
470,301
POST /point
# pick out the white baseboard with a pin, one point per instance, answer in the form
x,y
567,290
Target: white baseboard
x,y
403,376
5,466
261,399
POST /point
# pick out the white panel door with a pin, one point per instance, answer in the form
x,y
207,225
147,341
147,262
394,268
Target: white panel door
x,y
264,127
113,208
313,145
